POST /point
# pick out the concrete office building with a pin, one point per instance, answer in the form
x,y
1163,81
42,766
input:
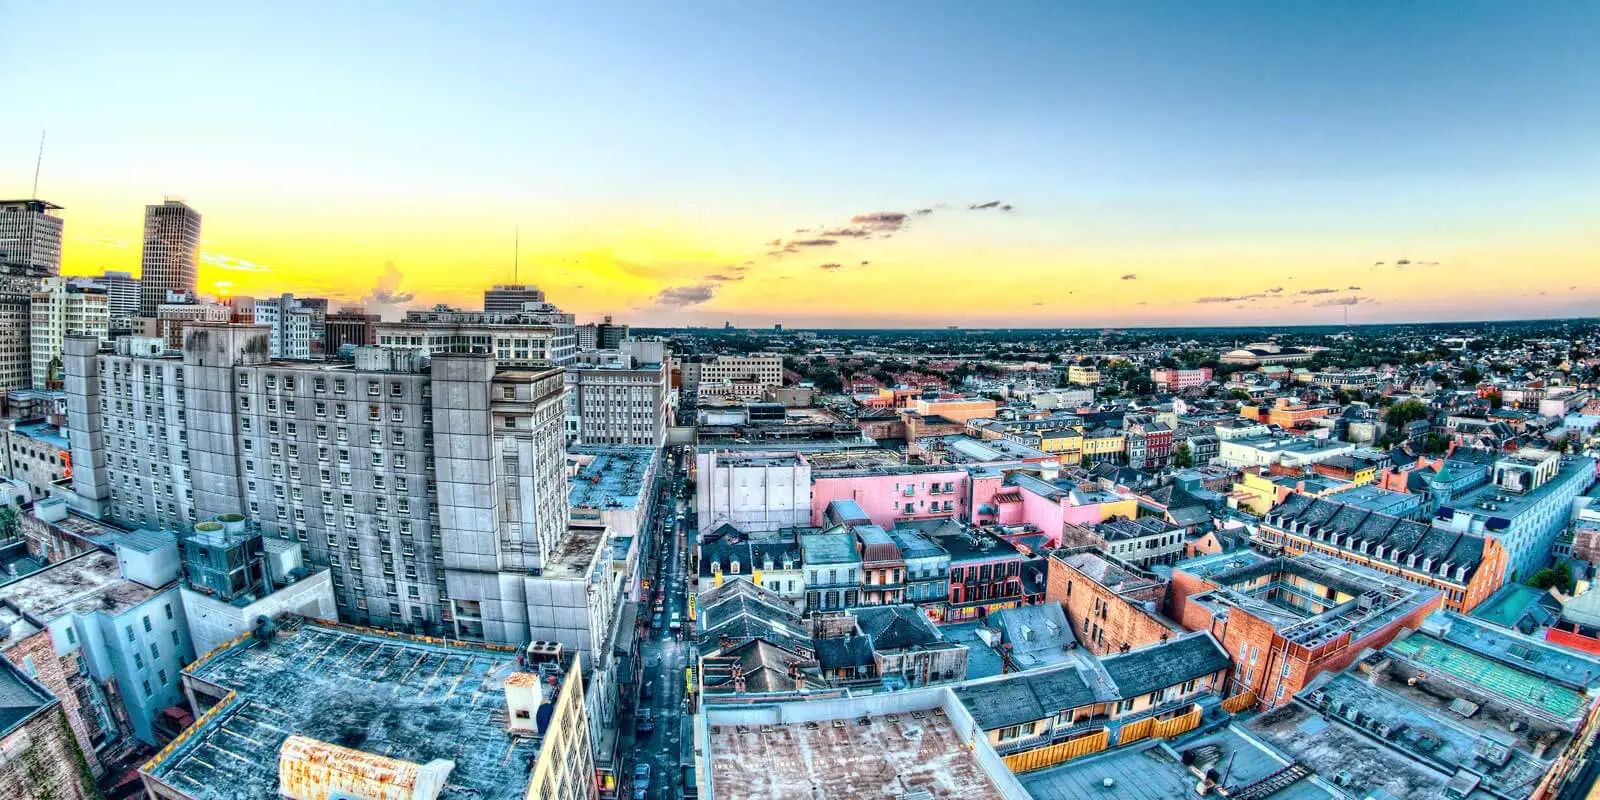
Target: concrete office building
x,y
291,323
512,298
30,237
57,310
122,296
524,339
16,347
741,376
621,403
352,326
341,458
605,335
171,249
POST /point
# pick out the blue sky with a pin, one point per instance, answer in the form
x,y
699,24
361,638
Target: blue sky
x,y
672,139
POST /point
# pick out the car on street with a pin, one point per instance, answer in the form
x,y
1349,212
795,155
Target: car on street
x,y
645,724
641,780
647,691
677,621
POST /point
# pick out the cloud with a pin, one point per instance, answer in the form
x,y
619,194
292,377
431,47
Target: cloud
x,y
1131,276
922,212
850,233
232,263
1353,288
1352,300
1324,290
831,266
892,220
1229,298
1402,262
812,243
725,278
992,205
1275,290
387,291
683,296
1377,264
864,263
1038,304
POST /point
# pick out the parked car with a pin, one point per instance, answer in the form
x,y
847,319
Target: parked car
x,y
645,724
641,780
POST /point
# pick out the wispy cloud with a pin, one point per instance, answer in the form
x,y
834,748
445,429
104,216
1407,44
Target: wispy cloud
x,y
1229,298
232,263
1322,290
992,205
1131,276
831,266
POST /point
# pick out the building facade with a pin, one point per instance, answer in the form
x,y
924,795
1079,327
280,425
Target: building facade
x,y
30,237
171,250
58,310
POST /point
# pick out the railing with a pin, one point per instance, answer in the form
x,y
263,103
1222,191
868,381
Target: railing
x,y
1043,757
1239,702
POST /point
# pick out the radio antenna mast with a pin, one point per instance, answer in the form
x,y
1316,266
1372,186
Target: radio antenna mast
x,y
37,164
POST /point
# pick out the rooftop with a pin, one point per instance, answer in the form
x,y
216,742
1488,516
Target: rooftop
x,y
84,584
44,433
614,478
20,698
1103,570
1155,771
577,553
885,756
396,696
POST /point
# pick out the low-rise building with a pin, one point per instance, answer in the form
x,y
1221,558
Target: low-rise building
x,y
42,759
303,709
1465,567
1142,542
1287,620
1111,606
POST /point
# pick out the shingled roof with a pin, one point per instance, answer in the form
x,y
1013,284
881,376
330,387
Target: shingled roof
x,y
1154,668
1452,555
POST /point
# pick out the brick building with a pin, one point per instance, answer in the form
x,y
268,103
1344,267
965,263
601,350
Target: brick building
x,y
1286,620
1110,605
41,759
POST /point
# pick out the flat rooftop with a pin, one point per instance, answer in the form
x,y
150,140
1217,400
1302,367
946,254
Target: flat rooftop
x,y
1510,683
1106,572
1374,599
1155,771
576,553
1509,505
80,585
394,696
887,757
615,478
1329,747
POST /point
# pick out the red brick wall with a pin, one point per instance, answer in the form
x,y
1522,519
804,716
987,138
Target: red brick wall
x,y
51,672
1102,620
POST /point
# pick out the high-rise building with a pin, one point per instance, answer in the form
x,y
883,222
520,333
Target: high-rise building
x,y
30,237
291,323
341,458
58,310
16,349
122,296
511,298
350,325
171,250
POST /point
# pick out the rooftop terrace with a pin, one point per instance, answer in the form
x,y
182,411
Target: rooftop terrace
x,y
395,696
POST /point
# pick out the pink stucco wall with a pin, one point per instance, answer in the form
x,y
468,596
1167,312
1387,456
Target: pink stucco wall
x,y
883,497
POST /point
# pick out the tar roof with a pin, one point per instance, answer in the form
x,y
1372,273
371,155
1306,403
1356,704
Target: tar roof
x,y
85,584
396,696
1155,771
615,478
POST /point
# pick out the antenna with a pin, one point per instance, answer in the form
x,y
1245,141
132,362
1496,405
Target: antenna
x,y
37,164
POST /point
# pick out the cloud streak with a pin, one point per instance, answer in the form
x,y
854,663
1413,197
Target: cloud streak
x,y
684,296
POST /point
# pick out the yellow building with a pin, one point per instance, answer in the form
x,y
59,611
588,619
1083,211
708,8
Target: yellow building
x,y
1083,375
1066,443
1103,444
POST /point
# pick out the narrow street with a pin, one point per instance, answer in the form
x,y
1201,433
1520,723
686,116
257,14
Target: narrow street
x,y
665,653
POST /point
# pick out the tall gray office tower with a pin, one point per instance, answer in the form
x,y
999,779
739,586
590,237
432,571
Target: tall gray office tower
x,y
511,298
171,249
434,489
30,238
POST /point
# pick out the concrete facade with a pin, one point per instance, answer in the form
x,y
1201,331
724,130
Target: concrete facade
x,y
754,492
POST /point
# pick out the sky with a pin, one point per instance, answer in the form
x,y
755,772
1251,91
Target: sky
x,y
876,164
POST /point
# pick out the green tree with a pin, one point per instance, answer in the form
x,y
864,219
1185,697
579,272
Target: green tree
x,y
1183,457
1557,577
1471,375
10,525
1240,395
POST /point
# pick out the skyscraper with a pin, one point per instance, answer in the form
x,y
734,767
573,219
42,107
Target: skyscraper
x,y
511,298
30,237
171,248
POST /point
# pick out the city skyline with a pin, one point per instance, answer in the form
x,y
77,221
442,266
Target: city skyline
x,y
841,166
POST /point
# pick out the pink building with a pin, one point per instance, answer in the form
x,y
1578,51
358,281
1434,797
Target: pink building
x,y
889,496
1179,379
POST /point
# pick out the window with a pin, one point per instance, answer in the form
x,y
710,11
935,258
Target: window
x,y
167,608
146,620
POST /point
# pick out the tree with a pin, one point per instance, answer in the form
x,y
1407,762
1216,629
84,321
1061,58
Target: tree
x,y
1240,395
1405,412
1471,375
9,524
1183,457
1559,577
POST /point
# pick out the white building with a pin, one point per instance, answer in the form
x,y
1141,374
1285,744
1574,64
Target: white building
x,y
530,338
739,376
291,325
754,492
623,401
58,310
1288,451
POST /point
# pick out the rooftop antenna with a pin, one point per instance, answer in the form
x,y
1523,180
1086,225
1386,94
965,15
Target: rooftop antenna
x,y
37,164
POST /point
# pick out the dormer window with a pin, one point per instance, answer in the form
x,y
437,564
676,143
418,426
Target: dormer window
x,y
733,566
